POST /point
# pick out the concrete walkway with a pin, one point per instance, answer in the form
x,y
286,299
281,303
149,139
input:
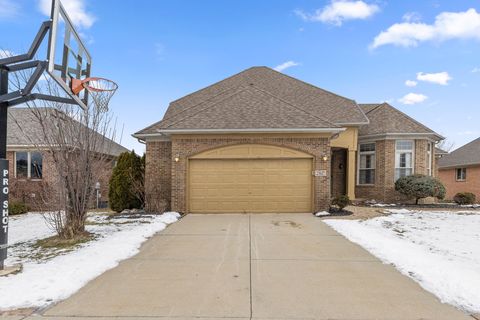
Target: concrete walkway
x,y
285,266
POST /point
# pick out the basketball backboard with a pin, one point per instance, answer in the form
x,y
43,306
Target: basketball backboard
x,y
67,61
67,55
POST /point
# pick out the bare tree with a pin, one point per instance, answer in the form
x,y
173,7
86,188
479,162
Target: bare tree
x,y
79,144
446,145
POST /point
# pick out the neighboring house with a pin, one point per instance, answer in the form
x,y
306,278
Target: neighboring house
x,y
32,171
261,141
439,153
460,170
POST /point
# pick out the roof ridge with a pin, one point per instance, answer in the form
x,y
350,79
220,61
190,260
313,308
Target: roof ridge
x,y
308,84
463,156
362,112
410,118
296,107
25,119
466,144
375,108
213,84
239,89
318,88
184,109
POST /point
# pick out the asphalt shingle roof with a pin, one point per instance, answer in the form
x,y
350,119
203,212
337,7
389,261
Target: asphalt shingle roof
x,y
386,119
258,109
24,130
269,99
469,154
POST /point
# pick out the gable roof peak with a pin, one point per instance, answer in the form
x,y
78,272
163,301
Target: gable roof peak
x,y
307,98
385,119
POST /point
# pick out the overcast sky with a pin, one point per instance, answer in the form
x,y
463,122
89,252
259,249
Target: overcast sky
x,y
423,57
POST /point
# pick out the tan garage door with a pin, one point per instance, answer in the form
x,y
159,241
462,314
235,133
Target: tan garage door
x,y
250,185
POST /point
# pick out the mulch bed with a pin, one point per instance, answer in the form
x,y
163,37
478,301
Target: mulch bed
x,y
334,212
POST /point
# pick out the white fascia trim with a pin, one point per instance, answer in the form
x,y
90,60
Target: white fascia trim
x,y
166,132
390,136
272,130
21,147
151,136
458,166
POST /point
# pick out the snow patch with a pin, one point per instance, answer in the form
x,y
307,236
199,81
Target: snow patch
x,y
26,227
44,282
439,250
322,213
383,205
399,211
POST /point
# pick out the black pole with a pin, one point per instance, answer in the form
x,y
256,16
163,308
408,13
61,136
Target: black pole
x,y
3,113
3,169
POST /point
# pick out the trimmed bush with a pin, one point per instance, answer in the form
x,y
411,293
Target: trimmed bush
x,y
126,177
15,208
419,186
464,198
341,201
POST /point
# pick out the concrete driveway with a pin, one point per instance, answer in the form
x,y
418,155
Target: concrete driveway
x,y
284,266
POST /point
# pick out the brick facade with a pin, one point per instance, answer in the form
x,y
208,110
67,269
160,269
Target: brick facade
x,y
166,180
36,193
42,194
160,160
471,183
384,187
158,175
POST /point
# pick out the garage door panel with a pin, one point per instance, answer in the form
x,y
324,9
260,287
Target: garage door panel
x,y
250,185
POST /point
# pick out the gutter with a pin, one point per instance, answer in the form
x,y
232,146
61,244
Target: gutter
x,y
399,134
460,165
167,132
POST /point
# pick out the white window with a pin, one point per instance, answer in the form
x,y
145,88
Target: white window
x,y
403,158
461,174
28,165
366,163
429,158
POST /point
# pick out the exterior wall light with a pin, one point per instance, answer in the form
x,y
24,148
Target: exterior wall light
x,y
324,157
177,157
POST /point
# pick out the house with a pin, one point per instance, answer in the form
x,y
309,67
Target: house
x,y
460,170
32,172
261,141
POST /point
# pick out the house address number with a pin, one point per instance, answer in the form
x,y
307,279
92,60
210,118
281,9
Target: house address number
x,y
319,173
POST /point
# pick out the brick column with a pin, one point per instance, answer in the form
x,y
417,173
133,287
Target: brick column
x,y
158,163
421,157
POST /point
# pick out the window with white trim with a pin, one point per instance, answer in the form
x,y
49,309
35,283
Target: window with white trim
x,y
366,163
28,165
403,158
461,174
429,158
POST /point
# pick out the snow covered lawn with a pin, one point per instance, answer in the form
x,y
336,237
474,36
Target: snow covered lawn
x,y
54,274
439,250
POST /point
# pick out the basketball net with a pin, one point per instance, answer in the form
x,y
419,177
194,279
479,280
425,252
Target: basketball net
x,y
100,89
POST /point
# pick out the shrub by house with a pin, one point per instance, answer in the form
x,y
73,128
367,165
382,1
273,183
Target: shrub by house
x,y
419,186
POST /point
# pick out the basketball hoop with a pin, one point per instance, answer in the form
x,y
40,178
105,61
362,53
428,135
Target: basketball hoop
x,y
100,89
